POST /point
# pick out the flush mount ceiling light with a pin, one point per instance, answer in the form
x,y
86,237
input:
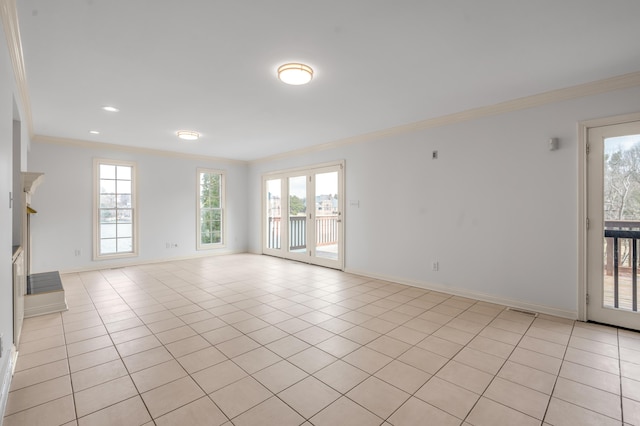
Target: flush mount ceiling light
x,y
94,132
110,108
295,74
188,135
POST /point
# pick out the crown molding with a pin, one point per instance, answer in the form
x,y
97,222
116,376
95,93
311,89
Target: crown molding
x,y
9,17
587,89
140,150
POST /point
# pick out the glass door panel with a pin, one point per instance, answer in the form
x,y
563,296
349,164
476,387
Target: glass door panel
x,y
621,221
327,215
298,214
273,213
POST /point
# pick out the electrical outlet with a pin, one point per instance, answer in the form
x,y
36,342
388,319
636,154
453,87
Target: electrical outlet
x,y
77,252
435,266
167,245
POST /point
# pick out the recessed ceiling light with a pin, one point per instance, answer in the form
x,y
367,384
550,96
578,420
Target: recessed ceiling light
x,y
295,74
110,108
188,135
94,132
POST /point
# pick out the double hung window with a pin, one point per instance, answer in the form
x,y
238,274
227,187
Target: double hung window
x,y
210,206
115,209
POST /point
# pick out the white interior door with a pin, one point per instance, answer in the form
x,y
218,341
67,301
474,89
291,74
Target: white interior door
x,y
302,213
613,212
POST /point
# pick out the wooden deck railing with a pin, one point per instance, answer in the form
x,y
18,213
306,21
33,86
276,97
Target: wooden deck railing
x,y
622,256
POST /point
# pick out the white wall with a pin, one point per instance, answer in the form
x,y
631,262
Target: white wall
x,y
497,210
166,206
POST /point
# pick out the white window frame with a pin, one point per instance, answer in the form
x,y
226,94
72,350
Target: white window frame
x,y
96,209
223,226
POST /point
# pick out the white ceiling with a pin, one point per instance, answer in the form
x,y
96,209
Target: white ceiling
x,y
210,65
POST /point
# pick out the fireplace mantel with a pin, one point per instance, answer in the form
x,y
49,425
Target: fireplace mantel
x,y
30,181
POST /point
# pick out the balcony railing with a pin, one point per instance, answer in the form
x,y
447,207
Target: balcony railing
x,y
297,233
326,231
622,261
273,233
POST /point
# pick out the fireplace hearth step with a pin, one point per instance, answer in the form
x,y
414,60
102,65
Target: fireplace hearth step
x,y
44,282
45,294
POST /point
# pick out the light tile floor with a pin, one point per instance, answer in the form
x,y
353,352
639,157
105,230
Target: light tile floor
x,y
254,340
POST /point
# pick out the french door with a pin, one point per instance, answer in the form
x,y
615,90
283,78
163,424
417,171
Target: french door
x,y
302,215
613,212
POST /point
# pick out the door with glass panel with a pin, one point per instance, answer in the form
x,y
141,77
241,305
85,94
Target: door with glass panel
x,y
327,217
613,211
303,215
272,237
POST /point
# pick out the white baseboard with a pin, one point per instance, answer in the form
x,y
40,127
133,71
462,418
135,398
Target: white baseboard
x,y
7,366
549,310
98,265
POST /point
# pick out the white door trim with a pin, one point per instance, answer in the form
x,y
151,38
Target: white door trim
x,y
583,131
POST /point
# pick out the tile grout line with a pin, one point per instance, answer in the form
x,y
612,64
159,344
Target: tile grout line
x,y
45,381
162,345
397,326
501,366
594,368
311,345
190,288
410,347
190,374
73,394
115,348
620,375
457,352
555,381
